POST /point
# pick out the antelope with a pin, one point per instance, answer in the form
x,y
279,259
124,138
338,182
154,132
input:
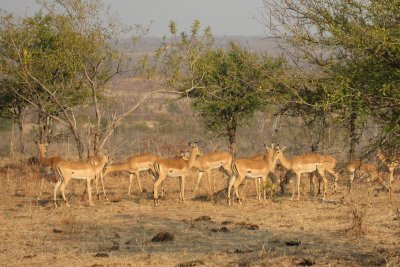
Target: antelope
x,y
46,165
271,175
216,160
368,169
174,168
67,170
252,168
95,160
257,182
392,162
310,163
133,165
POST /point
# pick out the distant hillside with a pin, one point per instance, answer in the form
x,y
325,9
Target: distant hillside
x,y
257,43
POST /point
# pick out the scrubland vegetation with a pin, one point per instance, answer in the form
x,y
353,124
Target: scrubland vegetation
x,y
325,81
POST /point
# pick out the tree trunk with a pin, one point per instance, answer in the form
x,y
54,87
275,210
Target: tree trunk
x,y
96,141
41,125
232,136
21,130
79,144
353,131
96,136
231,130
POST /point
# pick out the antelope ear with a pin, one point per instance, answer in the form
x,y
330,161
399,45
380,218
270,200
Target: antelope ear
x,y
272,145
283,148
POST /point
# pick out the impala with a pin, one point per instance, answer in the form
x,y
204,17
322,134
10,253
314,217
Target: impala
x,y
133,165
257,182
367,169
252,168
392,162
95,160
174,168
310,163
67,170
216,160
46,165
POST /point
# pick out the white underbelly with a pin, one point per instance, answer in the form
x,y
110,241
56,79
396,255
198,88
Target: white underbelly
x,y
253,176
173,173
255,173
79,177
308,168
216,166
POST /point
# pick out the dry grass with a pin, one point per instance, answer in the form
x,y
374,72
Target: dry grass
x,y
119,232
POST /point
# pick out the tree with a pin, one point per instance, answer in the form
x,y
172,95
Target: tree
x,y
353,47
42,68
232,84
63,59
227,86
11,108
102,58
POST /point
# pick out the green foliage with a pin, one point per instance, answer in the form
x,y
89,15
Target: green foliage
x,y
178,55
232,84
227,85
353,48
41,52
5,125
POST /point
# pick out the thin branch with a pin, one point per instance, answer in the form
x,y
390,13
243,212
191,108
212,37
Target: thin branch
x,y
41,109
118,119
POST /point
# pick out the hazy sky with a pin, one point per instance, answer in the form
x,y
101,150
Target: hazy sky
x,y
226,17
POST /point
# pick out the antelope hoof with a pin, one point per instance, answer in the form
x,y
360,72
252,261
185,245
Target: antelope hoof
x,y
156,202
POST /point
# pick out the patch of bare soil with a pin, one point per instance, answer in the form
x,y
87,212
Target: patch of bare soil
x,y
119,231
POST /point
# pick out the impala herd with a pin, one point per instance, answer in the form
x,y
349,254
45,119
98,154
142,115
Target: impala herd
x,y
258,168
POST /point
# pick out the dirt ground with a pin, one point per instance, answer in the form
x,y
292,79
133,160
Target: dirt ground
x,y
119,231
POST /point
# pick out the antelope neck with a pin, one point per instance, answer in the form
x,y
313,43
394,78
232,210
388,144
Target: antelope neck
x,y
284,161
192,158
98,168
